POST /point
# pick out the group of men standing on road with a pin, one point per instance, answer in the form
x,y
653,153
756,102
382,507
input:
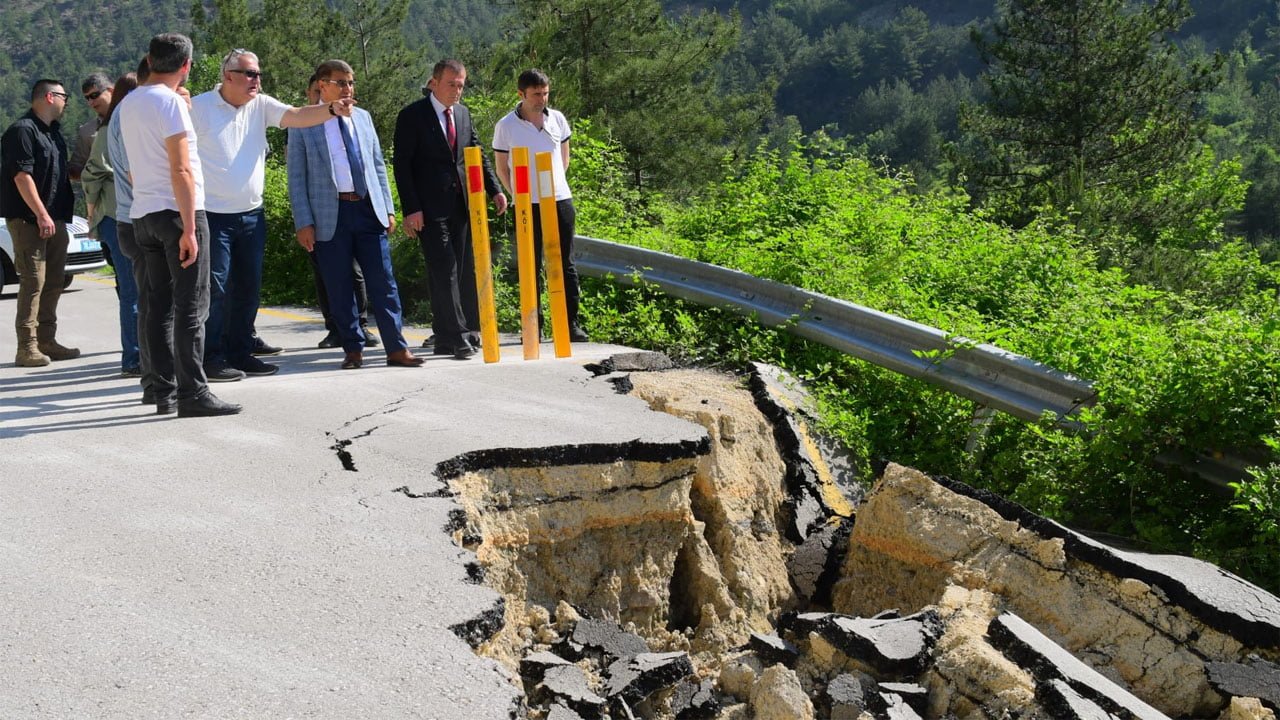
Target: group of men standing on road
x,y
187,206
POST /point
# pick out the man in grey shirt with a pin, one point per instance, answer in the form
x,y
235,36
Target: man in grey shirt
x,y
96,90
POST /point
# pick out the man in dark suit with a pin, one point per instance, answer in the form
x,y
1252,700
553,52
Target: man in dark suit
x,y
431,178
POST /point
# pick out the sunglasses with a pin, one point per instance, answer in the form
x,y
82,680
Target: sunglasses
x,y
62,95
251,74
94,95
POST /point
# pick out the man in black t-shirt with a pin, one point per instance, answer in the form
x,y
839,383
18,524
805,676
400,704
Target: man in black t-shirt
x,y
36,203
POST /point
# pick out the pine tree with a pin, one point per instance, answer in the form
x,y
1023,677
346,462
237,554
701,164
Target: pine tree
x,y
1089,100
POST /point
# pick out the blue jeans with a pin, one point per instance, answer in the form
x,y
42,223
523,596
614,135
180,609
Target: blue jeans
x,y
236,244
126,291
361,236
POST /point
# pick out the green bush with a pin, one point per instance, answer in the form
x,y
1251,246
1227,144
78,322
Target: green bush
x,y
1195,370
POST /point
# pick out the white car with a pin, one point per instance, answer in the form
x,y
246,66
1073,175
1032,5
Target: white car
x,y
83,252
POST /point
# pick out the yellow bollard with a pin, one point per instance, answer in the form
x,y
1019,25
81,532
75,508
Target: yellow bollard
x,y
524,253
479,205
554,264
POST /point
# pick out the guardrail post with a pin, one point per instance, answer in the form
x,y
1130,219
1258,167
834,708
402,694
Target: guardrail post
x,y
479,206
529,332
553,264
980,425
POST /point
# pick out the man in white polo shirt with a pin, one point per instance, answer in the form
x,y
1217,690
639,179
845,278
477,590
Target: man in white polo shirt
x,y
171,230
535,126
231,123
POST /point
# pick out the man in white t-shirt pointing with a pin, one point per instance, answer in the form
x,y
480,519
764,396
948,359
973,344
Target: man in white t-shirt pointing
x,y
231,124
536,126
170,228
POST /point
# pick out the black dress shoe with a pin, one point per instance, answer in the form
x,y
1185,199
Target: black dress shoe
x,y
166,405
207,405
429,342
370,340
577,334
330,341
260,347
463,351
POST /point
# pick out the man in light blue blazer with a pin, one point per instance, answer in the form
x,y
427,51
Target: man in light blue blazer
x,y
342,210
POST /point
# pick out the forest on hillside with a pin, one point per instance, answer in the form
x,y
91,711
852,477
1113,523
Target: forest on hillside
x,y
1093,184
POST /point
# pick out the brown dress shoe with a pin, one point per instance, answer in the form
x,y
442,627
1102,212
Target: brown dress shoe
x,y
403,358
352,361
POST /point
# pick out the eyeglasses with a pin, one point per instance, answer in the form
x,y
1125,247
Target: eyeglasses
x,y
344,84
251,74
62,95
94,95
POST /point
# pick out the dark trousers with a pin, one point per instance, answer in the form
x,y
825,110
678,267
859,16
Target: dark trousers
x,y
322,294
236,244
360,236
137,260
178,303
451,277
566,221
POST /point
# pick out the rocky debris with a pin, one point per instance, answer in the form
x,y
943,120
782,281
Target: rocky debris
x,y
568,684
773,649
641,361
634,679
779,696
1143,620
821,478
1255,678
688,601
847,695
1246,709
1047,661
895,647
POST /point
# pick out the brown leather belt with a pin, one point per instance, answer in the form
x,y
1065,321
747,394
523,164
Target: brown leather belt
x,y
350,197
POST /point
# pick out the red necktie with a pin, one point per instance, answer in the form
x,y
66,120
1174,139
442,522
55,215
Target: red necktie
x,y
450,133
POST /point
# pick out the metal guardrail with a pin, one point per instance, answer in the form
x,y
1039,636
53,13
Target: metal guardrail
x,y
984,373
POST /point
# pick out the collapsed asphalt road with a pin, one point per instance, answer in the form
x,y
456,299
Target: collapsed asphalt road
x,y
287,562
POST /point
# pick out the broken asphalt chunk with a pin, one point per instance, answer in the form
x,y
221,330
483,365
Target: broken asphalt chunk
x,y
483,626
694,701
535,665
814,567
560,712
1064,702
641,361
914,695
1047,661
1256,679
634,680
898,647
608,638
569,685
773,649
